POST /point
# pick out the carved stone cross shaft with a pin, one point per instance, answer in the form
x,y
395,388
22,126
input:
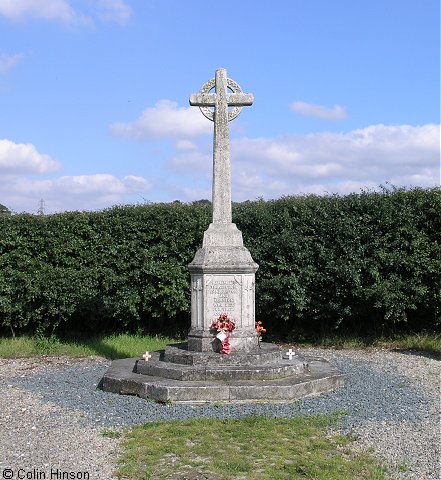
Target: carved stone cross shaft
x,y
221,100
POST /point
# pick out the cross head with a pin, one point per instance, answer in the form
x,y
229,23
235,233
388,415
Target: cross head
x,y
221,99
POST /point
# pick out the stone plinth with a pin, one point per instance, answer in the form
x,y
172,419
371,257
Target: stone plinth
x,y
222,281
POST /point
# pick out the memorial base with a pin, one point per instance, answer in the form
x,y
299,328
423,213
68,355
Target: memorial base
x,y
180,375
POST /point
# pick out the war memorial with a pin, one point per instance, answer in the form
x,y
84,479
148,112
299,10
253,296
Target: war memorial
x,y
223,359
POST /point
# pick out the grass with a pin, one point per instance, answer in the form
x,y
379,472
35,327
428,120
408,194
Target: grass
x,y
424,342
111,346
255,448
125,345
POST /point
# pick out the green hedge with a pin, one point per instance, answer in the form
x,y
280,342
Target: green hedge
x,y
366,262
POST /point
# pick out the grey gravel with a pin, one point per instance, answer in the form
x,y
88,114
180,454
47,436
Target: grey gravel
x,y
53,415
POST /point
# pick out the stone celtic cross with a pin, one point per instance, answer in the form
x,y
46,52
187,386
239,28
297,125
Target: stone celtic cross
x,y
221,100
222,271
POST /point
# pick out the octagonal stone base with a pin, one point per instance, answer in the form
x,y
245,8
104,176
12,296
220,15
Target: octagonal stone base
x,y
182,376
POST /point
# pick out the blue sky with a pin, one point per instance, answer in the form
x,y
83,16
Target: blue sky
x,y
94,98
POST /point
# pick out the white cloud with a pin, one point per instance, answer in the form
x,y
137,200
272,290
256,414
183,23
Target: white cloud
x,y
62,11
404,155
165,120
21,158
21,191
134,184
337,112
191,194
185,145
114,11
8,62
192,161
82,192
100,183
54,10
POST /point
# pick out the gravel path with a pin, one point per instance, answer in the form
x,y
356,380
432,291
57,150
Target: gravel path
x,y
53,417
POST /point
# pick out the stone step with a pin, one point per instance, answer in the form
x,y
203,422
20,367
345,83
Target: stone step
x,y
266,353
158,368
320,377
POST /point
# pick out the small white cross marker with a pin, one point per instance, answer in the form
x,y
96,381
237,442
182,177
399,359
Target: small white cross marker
x,y
146,356
290,353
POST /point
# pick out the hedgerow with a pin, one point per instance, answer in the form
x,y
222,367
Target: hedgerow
x,y
368,262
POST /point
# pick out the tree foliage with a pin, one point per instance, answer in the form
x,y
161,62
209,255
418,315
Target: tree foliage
x,y
369,262
4,210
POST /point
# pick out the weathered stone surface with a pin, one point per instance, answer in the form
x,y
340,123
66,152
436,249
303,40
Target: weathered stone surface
x,y
258,355
318,378
221,100
217,293
222,271
178,371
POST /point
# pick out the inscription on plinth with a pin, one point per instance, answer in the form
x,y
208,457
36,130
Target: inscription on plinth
x,y
214,294
223,295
